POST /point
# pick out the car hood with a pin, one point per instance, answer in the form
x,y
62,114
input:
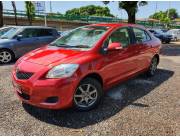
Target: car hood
x,y
50,55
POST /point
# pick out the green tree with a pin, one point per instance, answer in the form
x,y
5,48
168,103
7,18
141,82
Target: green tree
x,y
158,15
131,7
1,14
171,15
30,11
90,10
15,13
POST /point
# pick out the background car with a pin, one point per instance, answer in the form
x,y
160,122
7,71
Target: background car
x,y
164,37
3,30
20,40
175,34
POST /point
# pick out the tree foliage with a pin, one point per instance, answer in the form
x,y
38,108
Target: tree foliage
x,y
173,14
30,11
131,7
90,10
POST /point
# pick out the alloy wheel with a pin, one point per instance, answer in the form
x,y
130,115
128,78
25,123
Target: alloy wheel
x,y
153,66
85,95
5,56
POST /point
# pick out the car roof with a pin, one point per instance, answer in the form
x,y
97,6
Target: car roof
x,y
174,29
117,25
42,27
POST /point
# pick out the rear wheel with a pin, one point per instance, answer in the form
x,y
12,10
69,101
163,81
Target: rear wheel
x,y
175,39
153,67
6,56
88,94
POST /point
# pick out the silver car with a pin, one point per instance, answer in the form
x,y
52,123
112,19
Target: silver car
x,y
22,39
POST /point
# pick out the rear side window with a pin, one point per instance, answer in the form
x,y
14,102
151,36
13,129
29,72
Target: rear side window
x,y
141,35
45,32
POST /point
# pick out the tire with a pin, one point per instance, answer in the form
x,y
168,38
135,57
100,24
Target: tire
x,y
167,42
6,56
81,94
153,67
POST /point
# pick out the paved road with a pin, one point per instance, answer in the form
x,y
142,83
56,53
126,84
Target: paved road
x,y
140,106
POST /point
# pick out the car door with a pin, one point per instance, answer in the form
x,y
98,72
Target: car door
x,y
143,44
46,36
120,64
27,42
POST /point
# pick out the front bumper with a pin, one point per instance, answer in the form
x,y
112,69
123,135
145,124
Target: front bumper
x,y
37,91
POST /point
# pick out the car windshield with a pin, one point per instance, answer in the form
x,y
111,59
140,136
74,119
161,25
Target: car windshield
x,y
10,34
159,31
83,37
172,32
4,30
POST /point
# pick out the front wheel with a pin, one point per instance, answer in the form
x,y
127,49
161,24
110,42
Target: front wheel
x,y
88,94
6,56
153,67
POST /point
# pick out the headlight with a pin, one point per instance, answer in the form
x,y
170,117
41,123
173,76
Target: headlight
x,y
63,70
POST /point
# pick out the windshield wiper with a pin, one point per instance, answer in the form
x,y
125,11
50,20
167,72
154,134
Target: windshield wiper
x,y
81,46
68,46
61,45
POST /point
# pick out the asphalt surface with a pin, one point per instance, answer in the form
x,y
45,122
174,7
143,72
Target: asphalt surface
x,y
140,106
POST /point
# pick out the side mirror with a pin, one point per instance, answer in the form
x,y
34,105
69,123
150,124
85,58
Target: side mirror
x,y
114,46
19,37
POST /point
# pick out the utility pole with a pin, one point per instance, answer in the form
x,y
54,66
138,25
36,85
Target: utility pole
x,y
156,7
45,19
169,8
50,6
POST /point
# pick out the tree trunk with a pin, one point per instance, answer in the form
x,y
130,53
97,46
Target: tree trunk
x,y
1,14
131,17
15,14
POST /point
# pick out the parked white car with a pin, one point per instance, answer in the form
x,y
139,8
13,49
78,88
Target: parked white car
x,y
175,34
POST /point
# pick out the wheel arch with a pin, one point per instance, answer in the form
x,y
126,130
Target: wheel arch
x,y
94,75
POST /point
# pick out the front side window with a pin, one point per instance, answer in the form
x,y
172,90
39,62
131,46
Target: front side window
x,y
83,37
28,33
121,36
141,35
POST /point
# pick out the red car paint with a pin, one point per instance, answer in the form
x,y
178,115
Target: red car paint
x,y
132,61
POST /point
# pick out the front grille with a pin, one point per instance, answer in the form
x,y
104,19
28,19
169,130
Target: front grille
x,y
23,75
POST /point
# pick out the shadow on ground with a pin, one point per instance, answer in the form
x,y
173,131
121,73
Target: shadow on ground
x,y
170,50
112,103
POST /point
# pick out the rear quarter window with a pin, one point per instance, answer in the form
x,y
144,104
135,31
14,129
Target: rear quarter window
x,y
45,32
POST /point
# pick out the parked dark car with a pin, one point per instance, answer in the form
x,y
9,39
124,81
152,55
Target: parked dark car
x,y
22,39
164,37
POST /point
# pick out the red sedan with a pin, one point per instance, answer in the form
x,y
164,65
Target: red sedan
x,y
77,68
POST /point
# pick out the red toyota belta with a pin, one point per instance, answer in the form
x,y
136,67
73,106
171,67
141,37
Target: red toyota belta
x,y
77,68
